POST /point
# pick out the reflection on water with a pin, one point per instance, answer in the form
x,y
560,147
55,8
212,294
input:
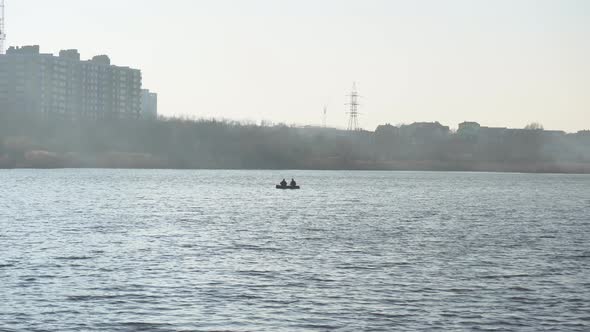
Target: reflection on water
x,y
125,250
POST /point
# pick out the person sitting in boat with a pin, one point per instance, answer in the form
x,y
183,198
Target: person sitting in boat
x,y
283,183
293,183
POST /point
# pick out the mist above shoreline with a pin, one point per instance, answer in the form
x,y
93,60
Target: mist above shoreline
x,y
35,141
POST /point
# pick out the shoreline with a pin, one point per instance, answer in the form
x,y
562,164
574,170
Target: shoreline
x,y
504,170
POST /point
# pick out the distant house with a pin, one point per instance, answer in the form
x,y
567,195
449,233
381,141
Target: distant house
x,y
469,125
469,129
387,130
424,131
473,130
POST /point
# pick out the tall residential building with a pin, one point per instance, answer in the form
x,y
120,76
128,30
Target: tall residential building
x,y
64,85
149,104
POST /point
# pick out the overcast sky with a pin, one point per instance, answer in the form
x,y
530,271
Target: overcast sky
x,y
498,62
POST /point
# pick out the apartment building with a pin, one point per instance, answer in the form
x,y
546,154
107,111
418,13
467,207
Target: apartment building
x,y
64,85
149,104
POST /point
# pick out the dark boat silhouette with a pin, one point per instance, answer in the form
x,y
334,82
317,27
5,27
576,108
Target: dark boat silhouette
x,y
287,187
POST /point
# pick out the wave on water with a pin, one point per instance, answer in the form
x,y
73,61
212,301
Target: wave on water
x,y
74,258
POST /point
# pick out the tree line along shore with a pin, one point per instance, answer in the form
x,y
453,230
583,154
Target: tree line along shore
x,y
34,141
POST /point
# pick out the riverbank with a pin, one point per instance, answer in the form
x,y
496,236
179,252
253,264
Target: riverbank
x,y
48,160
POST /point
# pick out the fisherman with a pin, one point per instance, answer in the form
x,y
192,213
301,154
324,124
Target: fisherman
x,y
283,183
293,183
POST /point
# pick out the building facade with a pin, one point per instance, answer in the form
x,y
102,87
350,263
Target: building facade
x,y
64,85
149,104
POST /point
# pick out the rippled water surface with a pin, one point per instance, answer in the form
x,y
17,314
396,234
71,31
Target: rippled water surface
x,y
125,250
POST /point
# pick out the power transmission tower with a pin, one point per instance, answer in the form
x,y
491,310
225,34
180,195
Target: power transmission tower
x,y
2,31
325,116
353,111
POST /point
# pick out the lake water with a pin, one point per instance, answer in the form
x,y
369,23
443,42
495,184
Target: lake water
x,y
135,250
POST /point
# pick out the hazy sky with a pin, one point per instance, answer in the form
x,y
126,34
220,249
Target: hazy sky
x,y
498,62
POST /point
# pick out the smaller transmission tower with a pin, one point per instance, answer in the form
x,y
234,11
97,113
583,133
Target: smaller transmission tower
x,y
353,111
325,116
2,27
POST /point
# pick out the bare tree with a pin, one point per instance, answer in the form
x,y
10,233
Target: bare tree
x,y
534,126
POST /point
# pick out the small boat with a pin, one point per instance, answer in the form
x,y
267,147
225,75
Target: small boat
x,y
287,187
